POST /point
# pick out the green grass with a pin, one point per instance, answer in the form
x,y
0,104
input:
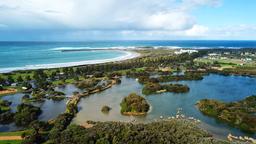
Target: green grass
x,y
16,133
10,142
5,108
136,69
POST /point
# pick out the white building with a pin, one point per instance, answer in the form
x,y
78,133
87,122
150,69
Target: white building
x,y
181,51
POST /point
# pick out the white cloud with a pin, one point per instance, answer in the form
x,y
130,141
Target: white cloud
x,y
121,19
197,30
99,14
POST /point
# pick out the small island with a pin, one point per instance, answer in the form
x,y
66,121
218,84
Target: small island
x,y
156,88
188,76
134,105
105,109
239,114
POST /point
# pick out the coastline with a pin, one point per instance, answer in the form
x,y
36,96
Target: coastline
x,y
128,55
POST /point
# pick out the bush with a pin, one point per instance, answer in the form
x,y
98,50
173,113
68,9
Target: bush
x,y
105,109
173,131
26,114
155,88
134,104
238,114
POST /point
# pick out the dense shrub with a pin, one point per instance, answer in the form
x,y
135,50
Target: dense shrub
x,y
155,88
239,114
134,104
164,132
26,114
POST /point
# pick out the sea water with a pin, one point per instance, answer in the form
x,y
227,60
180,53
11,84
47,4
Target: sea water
x,y
33,55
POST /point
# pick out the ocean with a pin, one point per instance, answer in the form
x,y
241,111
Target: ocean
x,y
33,55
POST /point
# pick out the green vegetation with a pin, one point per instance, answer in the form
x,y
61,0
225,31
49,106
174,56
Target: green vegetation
x,y
187,76
134,105
26,114
238,114
15,133
4,106
155,88
105,109
6,116
88,83
10,142
60,124
173,131
152,67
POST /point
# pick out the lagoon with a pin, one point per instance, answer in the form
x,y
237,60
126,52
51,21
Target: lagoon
x,y
224,88
213,86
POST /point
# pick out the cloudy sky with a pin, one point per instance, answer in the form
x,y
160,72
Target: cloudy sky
x,y
79,20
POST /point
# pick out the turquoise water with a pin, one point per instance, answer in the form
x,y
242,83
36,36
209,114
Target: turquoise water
x,y
27,55
22,57
224,88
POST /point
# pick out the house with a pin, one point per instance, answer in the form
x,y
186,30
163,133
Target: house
x,y
181,51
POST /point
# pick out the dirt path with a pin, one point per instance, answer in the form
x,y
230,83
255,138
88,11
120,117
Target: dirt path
x,y
10,138
8,91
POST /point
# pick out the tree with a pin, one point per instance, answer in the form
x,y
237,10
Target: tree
x,y
19,79
10,79
26,114
2,81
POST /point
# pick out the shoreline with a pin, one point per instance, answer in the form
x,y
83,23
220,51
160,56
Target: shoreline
x,y
128,55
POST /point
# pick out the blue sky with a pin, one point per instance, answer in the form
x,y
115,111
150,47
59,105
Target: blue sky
x,y
80,20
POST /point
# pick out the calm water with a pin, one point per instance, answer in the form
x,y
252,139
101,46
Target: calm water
x,y
50,109
26,55
223,88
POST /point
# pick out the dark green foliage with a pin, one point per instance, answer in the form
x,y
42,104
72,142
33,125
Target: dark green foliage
x,y
155,88
186,76
5,106
19,79
10,79
87,83
6,117
238,114
37,134
2,81
105,109
60,124
165,132
135,104
26,114
5,103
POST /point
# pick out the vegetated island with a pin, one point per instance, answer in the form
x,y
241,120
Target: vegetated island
x,y
134,105
156,88
188,76
240,114
105,109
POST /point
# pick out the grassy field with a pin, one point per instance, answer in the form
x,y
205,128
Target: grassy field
x,y
16,133
10,142
5,134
